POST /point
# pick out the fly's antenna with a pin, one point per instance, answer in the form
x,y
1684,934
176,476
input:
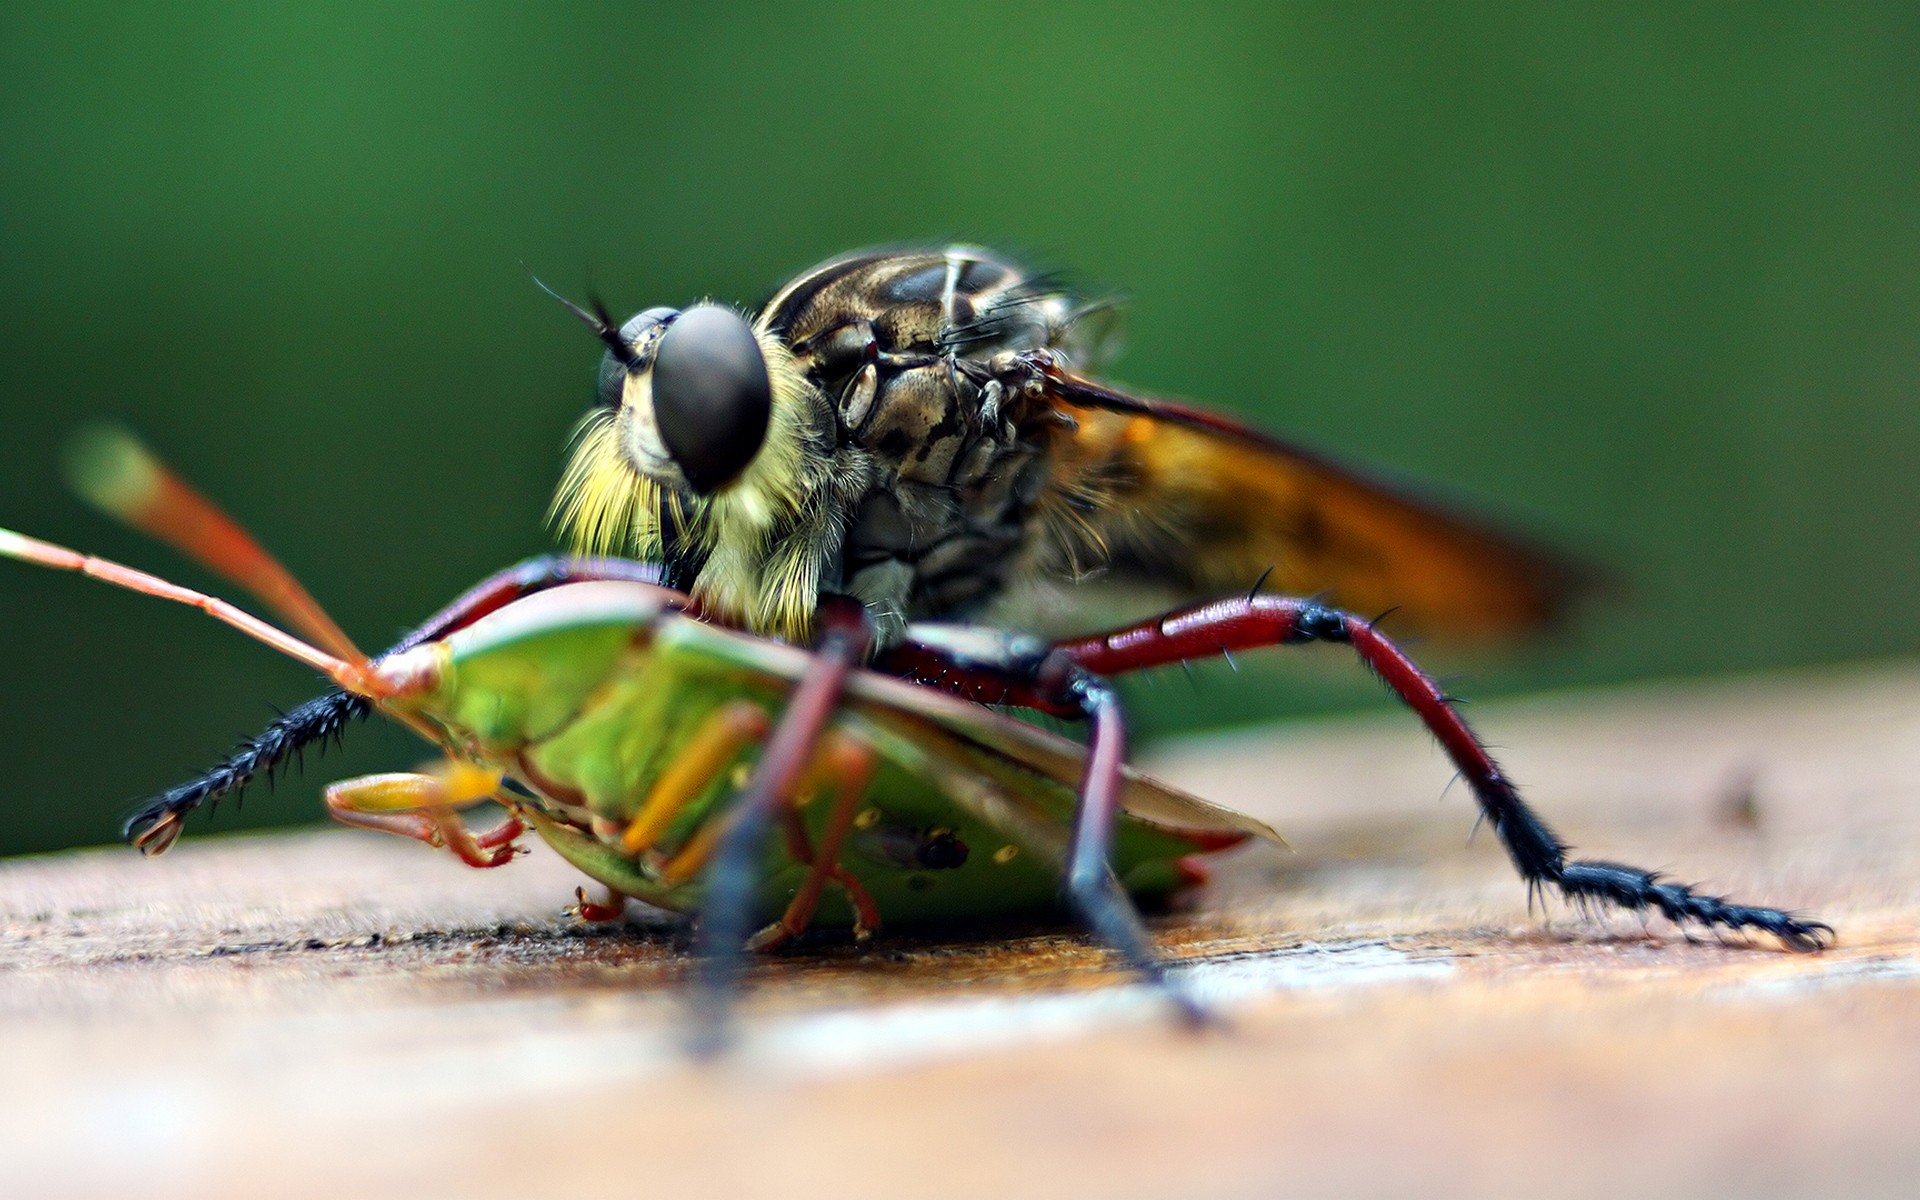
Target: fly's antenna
x,y
597,319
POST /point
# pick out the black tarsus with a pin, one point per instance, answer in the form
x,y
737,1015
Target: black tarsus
x,y
1637,890
286,737
1537,853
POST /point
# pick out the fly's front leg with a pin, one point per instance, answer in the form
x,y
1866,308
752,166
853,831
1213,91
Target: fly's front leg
x,y
158,823
1538,854
425,807
726,905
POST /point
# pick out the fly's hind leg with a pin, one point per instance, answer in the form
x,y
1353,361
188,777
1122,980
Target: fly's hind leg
x,y
1537,853
425,807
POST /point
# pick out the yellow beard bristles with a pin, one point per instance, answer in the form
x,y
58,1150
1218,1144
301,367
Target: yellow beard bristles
x,y
602,505
760,540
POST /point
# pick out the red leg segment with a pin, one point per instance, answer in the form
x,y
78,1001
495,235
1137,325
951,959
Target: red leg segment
x,y
1024,676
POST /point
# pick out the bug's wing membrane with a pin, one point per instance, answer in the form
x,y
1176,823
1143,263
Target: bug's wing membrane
x,y
1034,749
1182,499
1024,746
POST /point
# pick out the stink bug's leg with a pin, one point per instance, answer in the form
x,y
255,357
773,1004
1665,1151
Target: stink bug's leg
x,y
849,765
866,914
726,911
613,908
719,740
422,807
1246,622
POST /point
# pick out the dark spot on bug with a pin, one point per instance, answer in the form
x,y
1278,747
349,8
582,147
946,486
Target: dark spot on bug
x,y
941,851
919,883
980,274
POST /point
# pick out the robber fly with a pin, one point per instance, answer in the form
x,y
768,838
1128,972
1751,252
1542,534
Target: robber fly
x,y
914,429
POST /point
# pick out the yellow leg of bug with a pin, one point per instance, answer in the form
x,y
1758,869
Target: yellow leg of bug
x,y
848,766
713,747
424,807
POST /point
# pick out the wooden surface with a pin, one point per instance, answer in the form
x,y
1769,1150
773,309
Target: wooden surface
x,y
335,1013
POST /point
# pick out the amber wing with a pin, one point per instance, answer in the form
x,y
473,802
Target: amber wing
x,y
1164,494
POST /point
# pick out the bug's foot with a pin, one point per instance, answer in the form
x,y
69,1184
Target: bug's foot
x,y
771,937
1645,891
595,912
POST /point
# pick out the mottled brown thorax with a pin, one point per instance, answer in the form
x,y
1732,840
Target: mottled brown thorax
x,y
899,342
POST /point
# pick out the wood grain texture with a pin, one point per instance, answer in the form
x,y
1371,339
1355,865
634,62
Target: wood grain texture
x,y
332,1012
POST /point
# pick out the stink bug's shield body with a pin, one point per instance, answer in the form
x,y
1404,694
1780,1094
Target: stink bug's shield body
x,y
591,694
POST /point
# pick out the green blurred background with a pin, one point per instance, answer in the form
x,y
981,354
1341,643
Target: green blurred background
x,y
1643,278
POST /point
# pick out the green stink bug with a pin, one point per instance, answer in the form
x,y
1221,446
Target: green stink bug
x,y
602,713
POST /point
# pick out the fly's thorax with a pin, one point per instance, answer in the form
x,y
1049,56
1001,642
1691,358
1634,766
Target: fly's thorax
x,y
900,343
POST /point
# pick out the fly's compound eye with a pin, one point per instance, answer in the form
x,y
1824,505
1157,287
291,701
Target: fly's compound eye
x,y
711,395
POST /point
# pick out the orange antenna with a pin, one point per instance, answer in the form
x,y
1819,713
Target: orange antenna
x,y
109,467
349,673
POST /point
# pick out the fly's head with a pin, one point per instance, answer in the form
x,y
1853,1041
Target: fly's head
x,y
700,447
